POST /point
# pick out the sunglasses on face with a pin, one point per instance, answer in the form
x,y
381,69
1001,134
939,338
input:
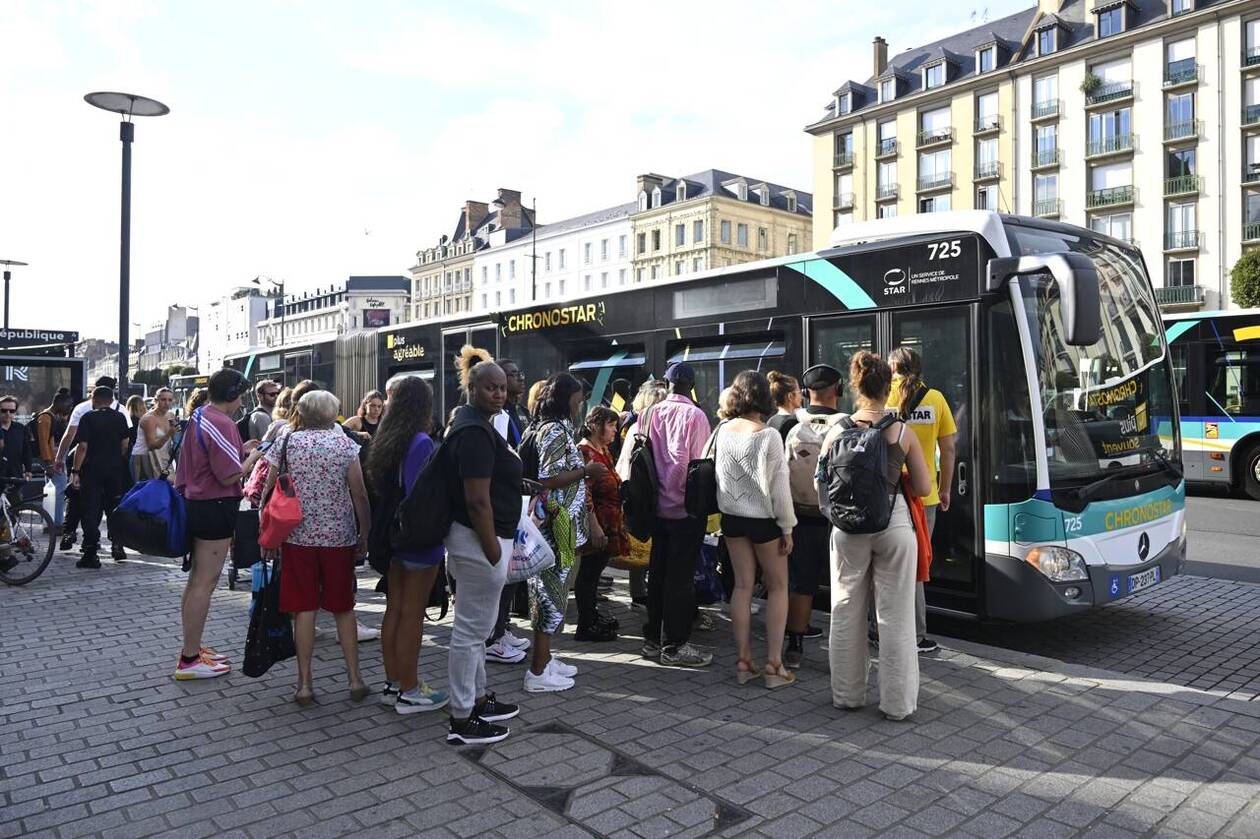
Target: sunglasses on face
x,y
8,410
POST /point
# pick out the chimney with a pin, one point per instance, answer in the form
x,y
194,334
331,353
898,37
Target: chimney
x,y
511,216
881,55
1048,7
474,212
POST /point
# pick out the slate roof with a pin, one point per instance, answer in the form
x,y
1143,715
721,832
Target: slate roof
x,y
709,182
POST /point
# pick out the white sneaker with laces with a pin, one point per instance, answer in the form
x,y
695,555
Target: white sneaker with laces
x,y
561,668
501,653
546,682
367,633
513,641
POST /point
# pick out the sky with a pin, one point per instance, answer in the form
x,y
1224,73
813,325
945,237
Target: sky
x,y
311,141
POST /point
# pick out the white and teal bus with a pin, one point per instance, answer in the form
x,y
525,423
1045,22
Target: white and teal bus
x,y
1216,363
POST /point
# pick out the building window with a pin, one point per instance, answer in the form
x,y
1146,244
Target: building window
x,y
1110,130
1180,7
888,89
1111,22
512,269
563,283
638,275
655,271
934,168
643,201
678,268
1181,223
586,283
621,276
935,204
603,250
791,247
886,211
844,103
986,59
1045,93
934,75
621,246
1180,116
741,235
680,235
1181,163
485,303
697,264
1046,139
656,240
1116,225
512,296
642,243
791,203
1045,41
697,232
1046,188
725,232
680,191
1180,58
656,197
498,299
483,279
562,259
547,262
603,279
741,191
547,291
1180,272
763,239
987,157
987,111
935,124
586,253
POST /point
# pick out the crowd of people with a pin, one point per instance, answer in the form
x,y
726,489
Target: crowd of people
x,y
562,461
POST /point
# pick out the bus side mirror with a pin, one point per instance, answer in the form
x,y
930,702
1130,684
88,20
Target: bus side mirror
x,y
1077,279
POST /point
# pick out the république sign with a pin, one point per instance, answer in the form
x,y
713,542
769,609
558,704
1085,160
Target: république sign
x,y
9,337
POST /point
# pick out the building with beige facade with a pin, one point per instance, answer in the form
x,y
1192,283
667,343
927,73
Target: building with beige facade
x,y
1137,118
713,219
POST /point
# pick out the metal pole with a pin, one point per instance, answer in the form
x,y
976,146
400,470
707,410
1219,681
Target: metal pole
x,y
8,275
533,262
126,133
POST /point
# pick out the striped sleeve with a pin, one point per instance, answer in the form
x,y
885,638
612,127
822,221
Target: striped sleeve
x,y
222,446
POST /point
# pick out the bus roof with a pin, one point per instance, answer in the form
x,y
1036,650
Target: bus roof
x,y
985,223
1214,313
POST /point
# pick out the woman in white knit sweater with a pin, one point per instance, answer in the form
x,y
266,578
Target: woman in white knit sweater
x,y
757,518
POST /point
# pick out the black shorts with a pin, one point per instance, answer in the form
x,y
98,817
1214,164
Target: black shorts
x,y
213,518
810,557
758,531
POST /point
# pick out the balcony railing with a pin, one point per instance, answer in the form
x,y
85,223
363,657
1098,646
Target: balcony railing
x,y
1183,185
1043,158
1181,240
886,148
1109,145
988,122
1251,174
842,159
933,136
1180,72
1047,207
1250,114
1046,109
987,169
1251,56
1109,197
1251,231
884,192
1179,295
1110,92
1187,130
844,201
940,180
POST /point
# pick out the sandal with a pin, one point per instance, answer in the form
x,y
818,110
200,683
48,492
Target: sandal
x,y
305,695
747,675
782,678
359,691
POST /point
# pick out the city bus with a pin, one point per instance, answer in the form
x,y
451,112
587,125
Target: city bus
x,y
1216,364
183,387
1045,338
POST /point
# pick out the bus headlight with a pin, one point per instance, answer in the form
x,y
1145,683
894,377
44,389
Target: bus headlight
x,y
1060,565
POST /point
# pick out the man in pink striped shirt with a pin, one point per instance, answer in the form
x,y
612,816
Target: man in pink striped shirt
x,y
678,431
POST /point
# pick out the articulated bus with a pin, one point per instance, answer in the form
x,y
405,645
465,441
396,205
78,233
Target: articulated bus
x,y
1045,338
1216,363
183,387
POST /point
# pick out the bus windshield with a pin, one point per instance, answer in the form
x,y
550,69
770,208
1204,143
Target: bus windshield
x,y
1109,404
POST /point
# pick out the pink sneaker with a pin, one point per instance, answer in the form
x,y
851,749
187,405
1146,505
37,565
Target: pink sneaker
x,y
202,668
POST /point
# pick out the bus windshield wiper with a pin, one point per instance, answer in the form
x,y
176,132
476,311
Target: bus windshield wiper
x,y
1173,468
1158,458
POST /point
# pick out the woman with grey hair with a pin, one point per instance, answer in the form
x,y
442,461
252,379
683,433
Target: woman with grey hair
x,y
318,557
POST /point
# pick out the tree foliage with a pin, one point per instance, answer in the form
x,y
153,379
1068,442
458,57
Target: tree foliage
x,y
1244,280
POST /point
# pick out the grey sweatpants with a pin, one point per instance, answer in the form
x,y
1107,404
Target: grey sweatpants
x,y
478,586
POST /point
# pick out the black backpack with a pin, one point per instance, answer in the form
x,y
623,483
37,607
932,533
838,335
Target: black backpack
x,y
528,450
640,491
424,515
853,489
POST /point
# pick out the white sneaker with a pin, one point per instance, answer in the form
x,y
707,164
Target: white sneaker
x,y
367,633
561,668
512,641
503,654
549,681
203,668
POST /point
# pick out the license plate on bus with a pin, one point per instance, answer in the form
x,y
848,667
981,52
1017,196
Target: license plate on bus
x,y
1146,579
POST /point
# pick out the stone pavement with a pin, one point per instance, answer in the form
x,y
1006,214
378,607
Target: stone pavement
x,y
95,738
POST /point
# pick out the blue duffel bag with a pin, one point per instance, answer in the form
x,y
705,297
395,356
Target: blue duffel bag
x,y
152,518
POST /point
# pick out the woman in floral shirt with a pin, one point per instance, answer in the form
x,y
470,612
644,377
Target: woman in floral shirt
x,y
600,431
318,557
563,472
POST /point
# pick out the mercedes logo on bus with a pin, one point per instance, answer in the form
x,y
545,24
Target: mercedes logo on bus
x,y
1144,546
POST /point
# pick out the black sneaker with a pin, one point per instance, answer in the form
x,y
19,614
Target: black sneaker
x,y
927,645
7,563
67,542
812,632
88,561
607,620
795,651
117,553
492,710
475,731
596,633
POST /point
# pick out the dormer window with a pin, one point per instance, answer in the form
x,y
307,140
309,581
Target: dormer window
x,y
1112,17
844,103
764,194
1047,40
643,200
741,191
888,89
934,75
1180,7
680,191
791,201
986,59
656,197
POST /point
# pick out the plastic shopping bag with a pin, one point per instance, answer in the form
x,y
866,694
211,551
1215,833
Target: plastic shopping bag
x,y
270,637
530,551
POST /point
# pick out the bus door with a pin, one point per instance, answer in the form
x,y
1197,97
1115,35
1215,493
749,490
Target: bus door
x,y
943,338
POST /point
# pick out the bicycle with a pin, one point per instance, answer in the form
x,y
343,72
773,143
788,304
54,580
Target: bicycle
x,y
27,536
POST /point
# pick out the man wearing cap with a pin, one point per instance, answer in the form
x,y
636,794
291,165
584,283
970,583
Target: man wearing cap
x,y
81,410
807,564
678,431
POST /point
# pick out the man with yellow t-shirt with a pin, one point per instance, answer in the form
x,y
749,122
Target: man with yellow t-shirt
x,y
932,422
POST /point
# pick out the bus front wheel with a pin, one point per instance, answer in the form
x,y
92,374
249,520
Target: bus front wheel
x,y
1250,479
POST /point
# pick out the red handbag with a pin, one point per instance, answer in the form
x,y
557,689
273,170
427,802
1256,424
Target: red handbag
x,y
922,535
282,509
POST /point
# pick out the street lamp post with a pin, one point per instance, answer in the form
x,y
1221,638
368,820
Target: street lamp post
x,y
8,275
127,105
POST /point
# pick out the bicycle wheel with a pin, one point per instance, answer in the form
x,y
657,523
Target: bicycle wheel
x,y
30,548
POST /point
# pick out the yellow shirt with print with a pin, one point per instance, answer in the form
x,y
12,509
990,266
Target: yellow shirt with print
x,y
931,420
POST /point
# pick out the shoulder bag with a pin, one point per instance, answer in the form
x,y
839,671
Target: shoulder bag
x,y
281,510
700,494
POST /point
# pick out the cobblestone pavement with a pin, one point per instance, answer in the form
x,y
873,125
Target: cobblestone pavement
x,y
95,738
1193,631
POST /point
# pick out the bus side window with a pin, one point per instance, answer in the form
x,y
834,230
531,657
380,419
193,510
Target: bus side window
x,y
1234,382
1180,369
